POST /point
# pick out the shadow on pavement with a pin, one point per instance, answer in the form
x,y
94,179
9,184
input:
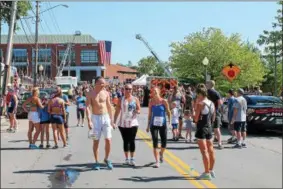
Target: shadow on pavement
x,y
16,141
152,179
146,139
16,148
182,148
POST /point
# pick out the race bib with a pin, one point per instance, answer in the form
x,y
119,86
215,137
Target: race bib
x,y
10,104
158,121
81,106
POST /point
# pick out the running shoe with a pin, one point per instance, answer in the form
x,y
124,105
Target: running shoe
x,y
108,164
78,125
41,146
9,130
181,137
212,173
48,146
55,147
132,162
65,146
220,147
237,146
33,146
244,145
127,162
29,146
215,140
156,165
82,125
160,157
204,176
96,166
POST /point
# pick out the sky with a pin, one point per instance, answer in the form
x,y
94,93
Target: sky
x,y
160,23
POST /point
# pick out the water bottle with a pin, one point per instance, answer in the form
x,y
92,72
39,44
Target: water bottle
x,y
91,135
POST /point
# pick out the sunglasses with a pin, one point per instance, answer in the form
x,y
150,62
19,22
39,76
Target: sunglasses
x,y
128,89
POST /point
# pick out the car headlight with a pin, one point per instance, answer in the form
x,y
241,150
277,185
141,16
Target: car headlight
x,y
250,111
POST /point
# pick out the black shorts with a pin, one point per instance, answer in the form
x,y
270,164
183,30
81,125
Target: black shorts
x,y
240,126
80,113
217,123
45,122
203,133
57,119
11,110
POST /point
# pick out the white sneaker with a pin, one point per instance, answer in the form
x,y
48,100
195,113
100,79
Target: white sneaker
x,y
132,162
127,162
212,173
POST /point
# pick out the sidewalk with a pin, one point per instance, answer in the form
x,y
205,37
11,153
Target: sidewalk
x,y
4,122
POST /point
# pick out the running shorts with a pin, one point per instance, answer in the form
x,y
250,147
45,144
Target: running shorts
x,y
101,125
34,117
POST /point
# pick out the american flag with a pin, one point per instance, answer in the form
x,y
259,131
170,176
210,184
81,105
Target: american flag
x,y
105,51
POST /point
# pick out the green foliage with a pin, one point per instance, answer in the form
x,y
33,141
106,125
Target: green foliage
x,y
150,66
187,57
273,46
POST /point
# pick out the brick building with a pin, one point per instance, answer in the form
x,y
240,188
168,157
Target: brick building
x,y
85,60
119,73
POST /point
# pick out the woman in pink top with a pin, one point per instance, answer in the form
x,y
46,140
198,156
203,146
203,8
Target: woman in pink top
x,y
129,106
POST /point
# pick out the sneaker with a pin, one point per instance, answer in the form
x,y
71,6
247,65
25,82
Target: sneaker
x,y
96,166
41,146
187,140
220,147
55,147
215,140
160,157
29,146
212,173
237,146
65,146
82,125
156,165
204,176
48,146
229,141
109,164
132,162
244,145
9,130
78,125
127,162
181,137
33,146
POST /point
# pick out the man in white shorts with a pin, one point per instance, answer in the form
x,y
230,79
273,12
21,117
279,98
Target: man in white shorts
x,y
101,121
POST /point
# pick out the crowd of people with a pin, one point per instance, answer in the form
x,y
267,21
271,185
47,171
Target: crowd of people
x,y
109,107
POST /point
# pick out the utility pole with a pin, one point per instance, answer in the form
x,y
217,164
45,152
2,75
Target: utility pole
x,y
7,68
1,49
69,67
282,41
36,44
275,67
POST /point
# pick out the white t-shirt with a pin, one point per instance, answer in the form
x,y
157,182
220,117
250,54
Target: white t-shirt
x,y
175,116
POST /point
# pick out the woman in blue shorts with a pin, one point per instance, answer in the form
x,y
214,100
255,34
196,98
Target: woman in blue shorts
x,y
44,122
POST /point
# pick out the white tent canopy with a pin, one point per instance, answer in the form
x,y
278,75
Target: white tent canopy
x,y
140,81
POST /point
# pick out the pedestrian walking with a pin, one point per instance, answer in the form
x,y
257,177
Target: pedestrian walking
x,y
33,116
81,106
56,109
12,105
175,121
239,119
231,100
189,125
45,123
204,116
157,110
129,107
100,120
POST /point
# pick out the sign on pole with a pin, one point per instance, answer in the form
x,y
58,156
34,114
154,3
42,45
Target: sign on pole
x,y
231,71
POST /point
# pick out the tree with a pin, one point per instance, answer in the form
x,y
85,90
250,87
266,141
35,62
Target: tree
x,y
150,66
270,40
187,56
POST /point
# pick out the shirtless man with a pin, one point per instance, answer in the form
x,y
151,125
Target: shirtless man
x,y
101,120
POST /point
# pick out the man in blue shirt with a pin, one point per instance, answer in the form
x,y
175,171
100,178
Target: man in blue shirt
x,y
81,106
67,103
231,101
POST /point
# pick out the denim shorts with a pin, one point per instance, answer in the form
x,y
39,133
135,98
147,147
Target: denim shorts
x,y
240,126
57,119
175,126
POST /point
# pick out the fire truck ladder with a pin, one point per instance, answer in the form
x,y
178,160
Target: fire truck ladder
x,y
167,71
66,54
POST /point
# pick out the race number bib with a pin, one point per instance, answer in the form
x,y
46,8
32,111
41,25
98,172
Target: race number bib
x,y
81,106
10,105
158,121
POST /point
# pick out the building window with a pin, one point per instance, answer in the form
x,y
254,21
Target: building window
x,y
44,55
1,56
73,59
89,56
19,55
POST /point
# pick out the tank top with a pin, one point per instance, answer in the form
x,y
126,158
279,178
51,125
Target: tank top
x,y
178,99
158,115
205,117
127,120
56,104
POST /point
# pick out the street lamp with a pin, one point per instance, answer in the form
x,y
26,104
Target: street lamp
x,y
205,63
40,69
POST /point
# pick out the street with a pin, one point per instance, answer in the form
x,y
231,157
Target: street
x,y
258,166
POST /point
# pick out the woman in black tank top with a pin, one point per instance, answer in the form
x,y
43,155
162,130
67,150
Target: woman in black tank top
x,y
203,118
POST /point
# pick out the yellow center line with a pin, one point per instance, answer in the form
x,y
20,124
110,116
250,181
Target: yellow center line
x,y
172,164
179,161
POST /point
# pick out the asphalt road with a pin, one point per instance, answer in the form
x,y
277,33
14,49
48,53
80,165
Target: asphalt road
x,y
258,166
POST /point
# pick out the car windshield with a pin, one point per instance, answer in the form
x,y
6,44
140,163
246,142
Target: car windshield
x,y
262,100
65,87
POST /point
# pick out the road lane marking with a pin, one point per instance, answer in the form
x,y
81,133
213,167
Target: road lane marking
x,y
172,164
180,162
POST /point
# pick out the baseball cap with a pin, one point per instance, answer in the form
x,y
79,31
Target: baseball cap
x,y
241,91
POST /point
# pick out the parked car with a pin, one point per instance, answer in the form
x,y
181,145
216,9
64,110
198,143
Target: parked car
x,y
20,111
263,113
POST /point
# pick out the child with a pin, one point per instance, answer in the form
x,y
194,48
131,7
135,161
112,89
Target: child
x,y
44,122
175,121
189,125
